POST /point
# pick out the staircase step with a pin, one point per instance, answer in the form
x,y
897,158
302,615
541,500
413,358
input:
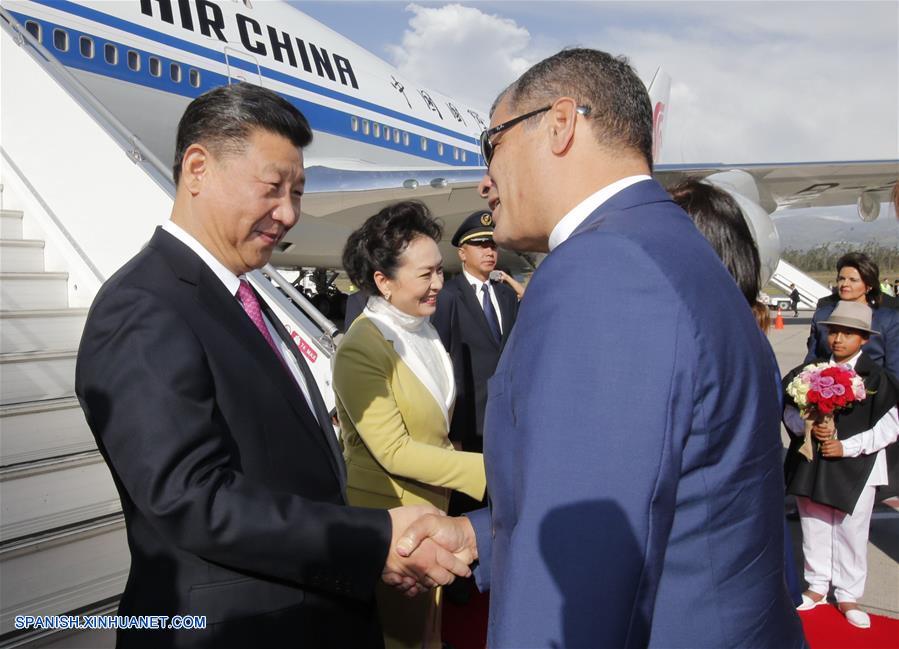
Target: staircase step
x,y
10,224
21,256
35,376
50,494
43,429
20,291
41,329
63,571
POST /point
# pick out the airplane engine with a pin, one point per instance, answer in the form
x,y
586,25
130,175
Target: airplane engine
x,y
868,206
742,187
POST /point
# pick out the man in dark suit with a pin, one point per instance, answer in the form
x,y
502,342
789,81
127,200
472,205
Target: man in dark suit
x,y
632,437
220,445
474,318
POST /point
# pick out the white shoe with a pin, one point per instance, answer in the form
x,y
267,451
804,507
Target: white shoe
x,y
808,603
858,618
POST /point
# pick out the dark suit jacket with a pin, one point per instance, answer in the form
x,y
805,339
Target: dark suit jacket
x,y
633,449
882,347
463,329
232,492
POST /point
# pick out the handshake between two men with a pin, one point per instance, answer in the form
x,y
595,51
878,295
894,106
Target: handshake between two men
x,y
427,549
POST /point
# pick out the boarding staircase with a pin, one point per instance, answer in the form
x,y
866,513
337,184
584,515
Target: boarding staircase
x,y
62,537
810,290
79,195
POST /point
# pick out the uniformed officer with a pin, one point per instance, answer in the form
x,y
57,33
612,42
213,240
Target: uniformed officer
x,y
474,317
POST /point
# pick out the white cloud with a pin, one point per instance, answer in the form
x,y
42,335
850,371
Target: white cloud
x,y
463,52
752,82
769,82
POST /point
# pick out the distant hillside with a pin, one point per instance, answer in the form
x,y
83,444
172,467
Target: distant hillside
x,y
804,231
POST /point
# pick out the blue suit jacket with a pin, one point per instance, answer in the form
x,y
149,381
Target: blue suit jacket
x,y
633,449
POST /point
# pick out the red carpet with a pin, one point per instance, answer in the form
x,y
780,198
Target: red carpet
x,y
465,627
826,628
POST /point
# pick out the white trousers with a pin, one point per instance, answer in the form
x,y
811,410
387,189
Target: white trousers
x,y
835,545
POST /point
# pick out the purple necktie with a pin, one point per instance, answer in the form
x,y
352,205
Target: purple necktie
x,y
250,304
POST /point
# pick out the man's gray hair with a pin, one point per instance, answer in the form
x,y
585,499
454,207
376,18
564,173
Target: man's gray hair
x,y
620,108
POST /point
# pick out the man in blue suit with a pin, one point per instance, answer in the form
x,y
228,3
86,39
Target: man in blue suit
x,y
632,432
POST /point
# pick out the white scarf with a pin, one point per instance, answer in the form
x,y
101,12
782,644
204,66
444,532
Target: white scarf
x,y
417,344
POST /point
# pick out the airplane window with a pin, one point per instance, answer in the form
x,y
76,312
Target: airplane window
x,y
464,156
155,67
354,124
396,136
86,45
376,129
424,144
387,133
455,153
33,28
111,54
61,40
366,127
175,72
440,148
405,139
194,76
133,61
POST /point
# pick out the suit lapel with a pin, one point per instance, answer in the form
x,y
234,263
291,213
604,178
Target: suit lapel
x,y
475,311
506,301
226,310
321,410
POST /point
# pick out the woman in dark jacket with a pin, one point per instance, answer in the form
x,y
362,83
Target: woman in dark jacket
x,y
858,280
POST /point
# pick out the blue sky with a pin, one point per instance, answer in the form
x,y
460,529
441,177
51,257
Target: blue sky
x,y
751,81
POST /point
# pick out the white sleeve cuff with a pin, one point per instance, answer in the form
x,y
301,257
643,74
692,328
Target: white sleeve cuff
x,y
852,446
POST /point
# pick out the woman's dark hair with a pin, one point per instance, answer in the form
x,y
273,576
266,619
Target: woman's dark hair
x,y
867,269
720,220
378,244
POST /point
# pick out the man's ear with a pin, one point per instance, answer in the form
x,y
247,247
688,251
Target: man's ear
x,y
562,118
195,168
461,252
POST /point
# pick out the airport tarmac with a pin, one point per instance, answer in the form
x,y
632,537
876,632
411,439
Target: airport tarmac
x,y
882,587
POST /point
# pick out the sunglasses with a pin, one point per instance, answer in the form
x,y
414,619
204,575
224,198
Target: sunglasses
x,y
487,146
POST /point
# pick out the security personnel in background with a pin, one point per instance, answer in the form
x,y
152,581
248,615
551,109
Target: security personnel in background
x,y
474,317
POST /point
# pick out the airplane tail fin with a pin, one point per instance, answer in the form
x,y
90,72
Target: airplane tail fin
x,y
659,90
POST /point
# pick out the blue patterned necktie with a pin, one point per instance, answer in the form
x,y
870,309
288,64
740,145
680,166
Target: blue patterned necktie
x,y
490,312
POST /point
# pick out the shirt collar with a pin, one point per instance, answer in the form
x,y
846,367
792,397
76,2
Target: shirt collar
x,y
586,207
474,281
229,279
852,361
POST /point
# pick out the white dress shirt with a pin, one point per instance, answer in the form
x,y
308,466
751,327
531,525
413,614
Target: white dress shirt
x,y
477,284
586,207
232,283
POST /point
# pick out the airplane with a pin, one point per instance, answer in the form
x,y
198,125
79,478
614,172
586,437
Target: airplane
x,y
379,137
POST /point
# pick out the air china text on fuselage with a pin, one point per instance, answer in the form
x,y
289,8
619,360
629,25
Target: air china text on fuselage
x,y
261,40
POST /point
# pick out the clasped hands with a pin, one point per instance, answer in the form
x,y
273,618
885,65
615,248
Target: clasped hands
x,y
427,549
825,431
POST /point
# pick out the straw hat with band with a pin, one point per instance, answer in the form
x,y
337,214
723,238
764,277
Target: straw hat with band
x,y
852,315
